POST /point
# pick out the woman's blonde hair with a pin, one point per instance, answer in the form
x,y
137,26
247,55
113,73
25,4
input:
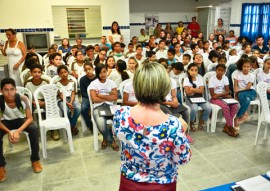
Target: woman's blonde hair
x,y
151,83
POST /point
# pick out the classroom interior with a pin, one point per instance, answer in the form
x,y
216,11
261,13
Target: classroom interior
x,y
216,157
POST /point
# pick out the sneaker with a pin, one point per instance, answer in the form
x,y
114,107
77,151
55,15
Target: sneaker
x,y
37,167
55,135
190,140
3,174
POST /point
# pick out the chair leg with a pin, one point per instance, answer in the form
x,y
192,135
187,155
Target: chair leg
x,y
70,142
28,141
95,135
257,133
265,131
213,121
84,128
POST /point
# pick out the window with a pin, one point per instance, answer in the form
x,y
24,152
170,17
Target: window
x,y
255,20
73,22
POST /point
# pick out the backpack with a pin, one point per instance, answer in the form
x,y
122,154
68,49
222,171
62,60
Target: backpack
x,y
17,101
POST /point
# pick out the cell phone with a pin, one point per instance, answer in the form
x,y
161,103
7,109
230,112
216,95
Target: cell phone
x,y
2,42
237,188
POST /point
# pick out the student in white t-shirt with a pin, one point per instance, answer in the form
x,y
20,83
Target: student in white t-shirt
x,y
129,98
194,86
55,61
243,89
77,66
264,75
132,66
73,105
219,88
120,74
103,93
177,70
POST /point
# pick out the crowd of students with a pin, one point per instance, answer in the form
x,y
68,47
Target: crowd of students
x,y
105,66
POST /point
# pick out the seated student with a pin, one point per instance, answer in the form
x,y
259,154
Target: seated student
x,y
117,53
16,115
123,46
198,59
55,61
103,44
119,74
194,49
80,46
264,75
90,54
226,48
129,98
219,88
132,66
65,47
31,49
256,53
73,105
110,64
171,56
97,49
233,57
103,92
71,58
77,66
243,89
212,60
246,49
46,60
186,61
161,51
177,70
85,81
193,85
28,63
100,58
178,55
254,63
130,50
28,56
151,56
139,56
206,47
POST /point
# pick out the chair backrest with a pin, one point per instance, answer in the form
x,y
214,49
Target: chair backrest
x,y
181,80
50,92
90,100
210,67
23,74
122,86
24,91
56,78
262,92
206,78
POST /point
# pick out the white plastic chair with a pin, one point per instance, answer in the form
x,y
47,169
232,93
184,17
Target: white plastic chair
x,y
181,79
122,86
215,108
95,129
23,74
265,113
23,91
254,102
53,118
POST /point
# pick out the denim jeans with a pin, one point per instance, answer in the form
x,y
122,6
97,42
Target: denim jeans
x,y
194,109
32,133
102,125
85,112
244,100
77,111
268,96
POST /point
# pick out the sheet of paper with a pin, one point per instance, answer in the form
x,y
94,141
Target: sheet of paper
x,y
197,100
113,108
230,101
102,113
257,183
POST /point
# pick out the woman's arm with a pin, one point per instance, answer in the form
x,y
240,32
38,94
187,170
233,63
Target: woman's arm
x,y
235,86
126,102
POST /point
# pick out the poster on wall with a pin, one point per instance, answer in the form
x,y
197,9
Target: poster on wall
x,y
150,23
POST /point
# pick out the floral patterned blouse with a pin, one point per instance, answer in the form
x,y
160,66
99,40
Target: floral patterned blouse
x,y
150,154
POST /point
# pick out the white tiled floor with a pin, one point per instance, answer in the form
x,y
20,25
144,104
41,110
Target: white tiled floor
x,y
217,159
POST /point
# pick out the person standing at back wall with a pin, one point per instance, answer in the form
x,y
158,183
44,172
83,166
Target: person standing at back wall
x,y
15,50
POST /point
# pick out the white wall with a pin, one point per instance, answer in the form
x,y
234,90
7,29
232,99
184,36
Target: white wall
x,y
38,14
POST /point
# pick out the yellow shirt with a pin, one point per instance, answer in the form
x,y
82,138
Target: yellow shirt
x,y
179,30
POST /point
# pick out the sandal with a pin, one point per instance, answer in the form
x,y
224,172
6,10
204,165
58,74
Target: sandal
x,y
115,147
191,127
74,131
200,126
230,131
104,144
